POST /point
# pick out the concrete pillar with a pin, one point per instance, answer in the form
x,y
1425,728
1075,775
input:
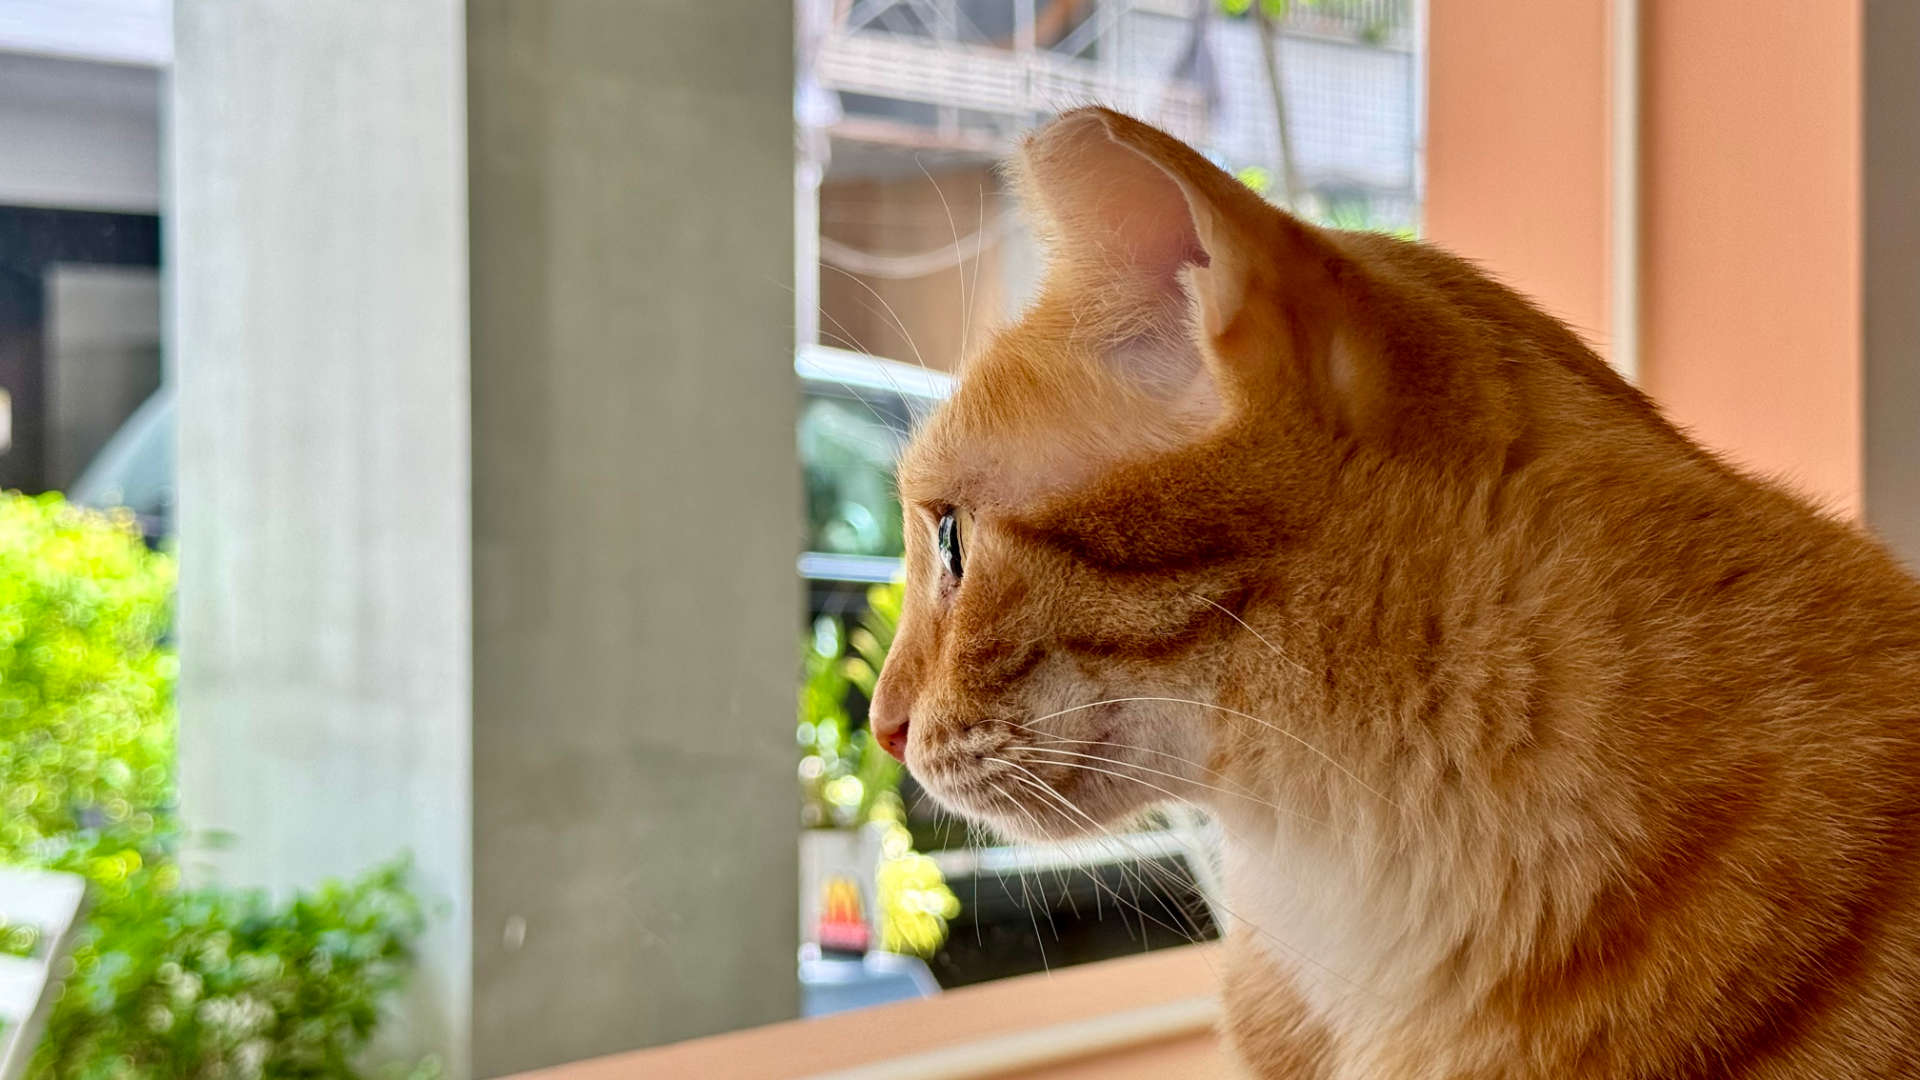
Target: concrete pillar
x,y
636,519
481,331
316,246
1890,272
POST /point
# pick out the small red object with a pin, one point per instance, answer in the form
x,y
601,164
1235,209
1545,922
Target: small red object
x,y
842,928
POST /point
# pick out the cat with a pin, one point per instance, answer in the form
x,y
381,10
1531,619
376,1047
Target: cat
x,y
1544,743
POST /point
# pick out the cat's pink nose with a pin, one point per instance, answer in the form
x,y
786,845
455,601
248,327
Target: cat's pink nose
x,y
890,727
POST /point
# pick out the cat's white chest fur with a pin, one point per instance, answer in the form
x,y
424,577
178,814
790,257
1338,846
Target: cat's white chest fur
x,y
1361,948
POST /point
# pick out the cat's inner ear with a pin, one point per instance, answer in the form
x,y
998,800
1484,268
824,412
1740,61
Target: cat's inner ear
x,y
1154,240
1111,211
1131,206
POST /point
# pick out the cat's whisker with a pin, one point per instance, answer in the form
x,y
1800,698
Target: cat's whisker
x,y
1249,796
852,341
899,392
1160,875
1171,885
842,334
1099,885
973,844
1237,791
1045,736
979,256
1026,899
1254,799
1236,916
1101,888
1059,880
890,451
1047,789
1108,772
959,260
898,322
1262,638
919,803
1322,754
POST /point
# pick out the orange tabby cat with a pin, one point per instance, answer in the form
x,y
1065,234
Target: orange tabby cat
x,y
1545,744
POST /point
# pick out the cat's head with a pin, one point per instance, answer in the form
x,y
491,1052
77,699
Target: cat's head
x,y
1115,471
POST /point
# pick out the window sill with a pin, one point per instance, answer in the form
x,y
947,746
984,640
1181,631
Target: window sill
x,y
1149,1016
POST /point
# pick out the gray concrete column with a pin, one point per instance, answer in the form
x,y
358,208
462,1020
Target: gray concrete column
x,y
316,262
488,517
1890,271
636,520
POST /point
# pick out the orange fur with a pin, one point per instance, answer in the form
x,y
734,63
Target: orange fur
x,y
1545,743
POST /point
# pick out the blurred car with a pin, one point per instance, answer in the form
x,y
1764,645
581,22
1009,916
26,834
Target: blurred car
x,y
135,469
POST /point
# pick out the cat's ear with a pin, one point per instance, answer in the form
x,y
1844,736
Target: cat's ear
x,y
1142,214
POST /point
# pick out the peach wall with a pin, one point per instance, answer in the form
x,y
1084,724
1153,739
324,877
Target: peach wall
x,y
1750,294
1752,239
1517,146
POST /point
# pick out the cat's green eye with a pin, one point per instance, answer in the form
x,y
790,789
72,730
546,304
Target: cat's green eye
x,y
949,535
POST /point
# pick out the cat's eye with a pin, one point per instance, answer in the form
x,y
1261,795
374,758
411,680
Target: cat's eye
x,y
949,537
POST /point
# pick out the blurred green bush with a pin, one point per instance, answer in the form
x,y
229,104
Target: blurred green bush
x,y
842,769
166,981
848,781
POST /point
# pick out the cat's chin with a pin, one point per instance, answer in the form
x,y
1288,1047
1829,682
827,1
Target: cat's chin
x,y
1020,812
1030,791
1000,813
1015,827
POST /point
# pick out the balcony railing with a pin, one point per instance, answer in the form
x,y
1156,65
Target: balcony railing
x,y
981,78
936,53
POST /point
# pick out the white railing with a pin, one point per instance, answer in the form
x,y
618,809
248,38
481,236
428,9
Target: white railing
x,y
956,74
49,905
